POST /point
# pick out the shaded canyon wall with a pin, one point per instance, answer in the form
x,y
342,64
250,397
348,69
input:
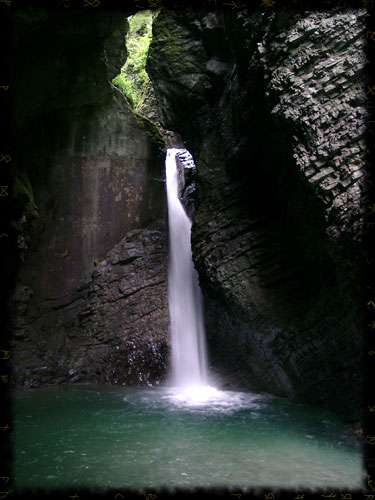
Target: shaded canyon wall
x,y
88,208
271,105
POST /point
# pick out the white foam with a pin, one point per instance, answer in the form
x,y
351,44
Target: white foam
x,y
208,396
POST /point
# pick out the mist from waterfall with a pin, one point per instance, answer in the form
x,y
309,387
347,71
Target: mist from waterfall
x,y
189,359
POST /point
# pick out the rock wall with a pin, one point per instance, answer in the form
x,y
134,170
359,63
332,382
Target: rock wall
x,y
88,175
110,329
271,105
90,192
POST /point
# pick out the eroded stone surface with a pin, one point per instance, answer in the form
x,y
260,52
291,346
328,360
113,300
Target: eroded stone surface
x,y
89,179
272,108
111,329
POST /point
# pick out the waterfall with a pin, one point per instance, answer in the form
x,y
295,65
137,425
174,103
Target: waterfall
x,y
189,360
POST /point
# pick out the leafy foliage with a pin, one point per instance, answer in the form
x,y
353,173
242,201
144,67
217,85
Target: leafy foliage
x,y
133,80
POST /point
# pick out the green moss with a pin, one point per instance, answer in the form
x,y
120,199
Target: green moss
x,y
126,88
133,81
152,131
22,190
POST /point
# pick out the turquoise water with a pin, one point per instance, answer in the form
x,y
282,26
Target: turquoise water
x,y
111,437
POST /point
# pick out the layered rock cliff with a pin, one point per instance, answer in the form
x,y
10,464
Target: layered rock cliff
x,y
271,105
109,329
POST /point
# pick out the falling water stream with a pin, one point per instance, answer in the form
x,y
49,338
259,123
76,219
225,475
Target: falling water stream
x,y
189,359
186,434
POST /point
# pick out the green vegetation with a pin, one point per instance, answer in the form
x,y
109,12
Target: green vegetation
x,y
133,80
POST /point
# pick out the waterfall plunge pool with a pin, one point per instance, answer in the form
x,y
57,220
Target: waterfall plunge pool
x,y
167,438
147,439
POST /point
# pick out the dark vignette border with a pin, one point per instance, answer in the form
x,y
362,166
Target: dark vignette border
x,y
11,257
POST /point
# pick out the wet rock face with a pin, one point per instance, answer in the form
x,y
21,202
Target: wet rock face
x,y
111,329
187,172
272,108
93,172
89,194
87,176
